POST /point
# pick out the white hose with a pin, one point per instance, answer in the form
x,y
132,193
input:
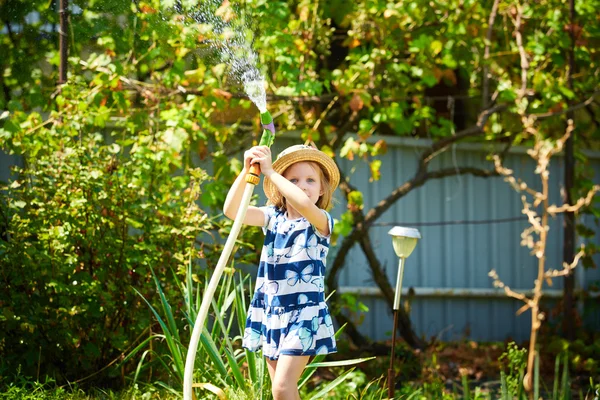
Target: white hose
x,y
210,291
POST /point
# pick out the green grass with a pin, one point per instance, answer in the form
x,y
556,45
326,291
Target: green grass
x,y
49,391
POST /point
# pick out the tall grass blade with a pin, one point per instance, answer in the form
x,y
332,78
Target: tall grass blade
x,y
503,387
224,329
556,378
159,358
240,304
536,375
565,388
252,369
137,349
189,292
520,386
262,376
466,391
235,370
379,389
166,308
213,353
139,366
212,388
341,363
413,394
331,385
171,343
168,388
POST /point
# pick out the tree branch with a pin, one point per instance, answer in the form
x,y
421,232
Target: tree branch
x,y
567,268
474,130
388,292
338,263
522,53
576,107
583,201
420,180
443,173
486,55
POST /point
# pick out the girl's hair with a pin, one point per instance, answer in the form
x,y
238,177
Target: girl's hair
x,y
325,200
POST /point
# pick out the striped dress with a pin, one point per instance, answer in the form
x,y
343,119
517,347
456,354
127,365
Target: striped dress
x,y
288,314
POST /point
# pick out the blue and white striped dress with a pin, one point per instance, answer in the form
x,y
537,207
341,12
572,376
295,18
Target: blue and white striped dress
x,y
288,314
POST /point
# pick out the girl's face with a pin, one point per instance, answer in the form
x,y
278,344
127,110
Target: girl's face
x,y
307,177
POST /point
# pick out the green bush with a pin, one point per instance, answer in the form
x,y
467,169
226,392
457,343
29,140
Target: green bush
x,y
82,221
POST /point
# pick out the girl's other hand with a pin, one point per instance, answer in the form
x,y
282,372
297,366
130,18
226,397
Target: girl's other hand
x,y
260,155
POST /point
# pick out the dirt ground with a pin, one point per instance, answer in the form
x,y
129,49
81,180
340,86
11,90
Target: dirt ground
x,y
448,363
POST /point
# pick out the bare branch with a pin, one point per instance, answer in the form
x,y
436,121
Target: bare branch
x,y
486,55
532,216
324,113
552,273
509,292
584,201
341,132
522,53
517,184
543,150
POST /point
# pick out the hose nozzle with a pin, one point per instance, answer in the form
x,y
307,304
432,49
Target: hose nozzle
x,y
267,138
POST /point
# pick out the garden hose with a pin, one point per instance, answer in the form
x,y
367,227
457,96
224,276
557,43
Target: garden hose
x,y
252,179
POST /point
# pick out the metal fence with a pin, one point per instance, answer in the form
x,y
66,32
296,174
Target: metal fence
x,y
469,226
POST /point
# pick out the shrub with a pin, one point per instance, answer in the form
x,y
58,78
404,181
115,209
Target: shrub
x,y
82,221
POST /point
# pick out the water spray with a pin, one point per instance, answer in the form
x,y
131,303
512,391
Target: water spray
x,y
233,48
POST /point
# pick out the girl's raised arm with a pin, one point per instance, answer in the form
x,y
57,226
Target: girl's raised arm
x,y
254,215
300,201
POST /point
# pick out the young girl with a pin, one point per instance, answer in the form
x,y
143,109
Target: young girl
x,y
288,317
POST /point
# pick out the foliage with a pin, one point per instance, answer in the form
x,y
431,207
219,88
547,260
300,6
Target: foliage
x,y
218,362
109,182
84,221
95,203
223,367
354,307
355,386
583,352
514,370
38,391
558,387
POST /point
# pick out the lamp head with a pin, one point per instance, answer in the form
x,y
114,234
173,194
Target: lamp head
x,y
404,240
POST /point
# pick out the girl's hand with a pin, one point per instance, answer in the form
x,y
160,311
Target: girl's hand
x,y
260,155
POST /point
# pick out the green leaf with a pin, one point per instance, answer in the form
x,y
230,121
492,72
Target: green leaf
x,y
18,204
449,61
567,92
330,386
342,363
436,47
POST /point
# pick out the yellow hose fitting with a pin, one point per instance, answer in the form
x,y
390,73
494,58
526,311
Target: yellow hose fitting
x,y
253,179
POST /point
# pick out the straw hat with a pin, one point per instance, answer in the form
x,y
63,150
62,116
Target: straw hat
x,y
297,153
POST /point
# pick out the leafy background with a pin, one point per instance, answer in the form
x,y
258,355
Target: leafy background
x,y
113,178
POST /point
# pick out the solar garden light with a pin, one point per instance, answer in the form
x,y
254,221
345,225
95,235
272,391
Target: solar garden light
x,y
404,241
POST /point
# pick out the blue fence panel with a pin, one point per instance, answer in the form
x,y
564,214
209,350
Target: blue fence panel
x,y
454,296
453,254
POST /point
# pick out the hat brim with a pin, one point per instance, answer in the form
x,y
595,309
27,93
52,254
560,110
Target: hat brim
x,y
307,155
